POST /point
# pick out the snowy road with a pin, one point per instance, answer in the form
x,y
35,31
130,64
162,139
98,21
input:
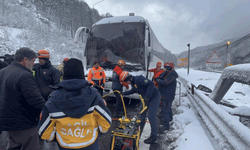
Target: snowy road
x,y
187,130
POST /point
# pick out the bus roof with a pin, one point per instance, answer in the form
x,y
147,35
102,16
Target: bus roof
x,y
121,19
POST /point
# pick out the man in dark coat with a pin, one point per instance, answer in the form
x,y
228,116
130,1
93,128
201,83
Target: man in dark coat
x,y
167,87
20,101
46,75
151,95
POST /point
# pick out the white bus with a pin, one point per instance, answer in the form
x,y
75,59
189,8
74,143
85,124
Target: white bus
x,y
129,38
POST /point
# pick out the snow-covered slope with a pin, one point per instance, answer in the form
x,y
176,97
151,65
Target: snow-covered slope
x,y
238,50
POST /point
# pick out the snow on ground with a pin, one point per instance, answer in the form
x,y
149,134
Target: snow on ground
x,y
187,132
237,95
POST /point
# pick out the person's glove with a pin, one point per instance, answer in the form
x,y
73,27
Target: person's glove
x,y
90,84
96,86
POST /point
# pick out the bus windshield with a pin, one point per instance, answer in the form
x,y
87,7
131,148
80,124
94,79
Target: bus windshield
x,y
109,43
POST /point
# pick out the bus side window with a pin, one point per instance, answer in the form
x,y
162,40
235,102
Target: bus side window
x,y
148,39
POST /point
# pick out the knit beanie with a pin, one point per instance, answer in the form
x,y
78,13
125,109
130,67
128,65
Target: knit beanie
x,y
73,69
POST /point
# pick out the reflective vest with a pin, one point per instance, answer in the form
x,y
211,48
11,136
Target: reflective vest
x,y
96,76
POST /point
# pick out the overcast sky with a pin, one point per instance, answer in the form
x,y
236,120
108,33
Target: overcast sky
x,y
179,22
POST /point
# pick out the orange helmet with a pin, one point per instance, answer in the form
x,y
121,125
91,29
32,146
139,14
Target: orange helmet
x,y
123,76
158,64
43,54
65,59
121,63
171,64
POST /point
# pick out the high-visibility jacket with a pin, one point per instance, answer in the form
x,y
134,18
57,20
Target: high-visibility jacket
x,y
74,114
96,76
156,74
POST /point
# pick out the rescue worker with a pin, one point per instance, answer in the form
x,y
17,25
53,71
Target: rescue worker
x,y
157,71
60,67
151,96
167,87
46,75
75,113
118,85
21,102
97,77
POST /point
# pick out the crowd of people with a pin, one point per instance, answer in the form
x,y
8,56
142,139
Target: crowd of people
x,y
58,104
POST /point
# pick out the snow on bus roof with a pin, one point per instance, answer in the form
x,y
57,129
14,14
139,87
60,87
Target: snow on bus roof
x,y
121,19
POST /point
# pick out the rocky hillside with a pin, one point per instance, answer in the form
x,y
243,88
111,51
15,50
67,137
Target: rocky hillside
x,y
239,51
46,24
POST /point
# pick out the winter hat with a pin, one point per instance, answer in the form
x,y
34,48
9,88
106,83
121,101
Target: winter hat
x,y
73,69
65,60
169,65
96,61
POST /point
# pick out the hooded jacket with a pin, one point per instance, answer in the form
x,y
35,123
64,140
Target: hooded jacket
x,y
142,86
74,114
167,85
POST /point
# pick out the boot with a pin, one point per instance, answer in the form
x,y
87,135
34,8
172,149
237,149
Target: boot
x,y
150,140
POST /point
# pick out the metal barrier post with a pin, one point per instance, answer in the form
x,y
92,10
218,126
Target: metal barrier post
x,y
179,92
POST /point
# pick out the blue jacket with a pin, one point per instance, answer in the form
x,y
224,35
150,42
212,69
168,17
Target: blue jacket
x,y
74,114
167,85
143,86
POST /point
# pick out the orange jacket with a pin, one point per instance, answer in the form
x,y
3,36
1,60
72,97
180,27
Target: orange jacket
x,y
156,74
96,76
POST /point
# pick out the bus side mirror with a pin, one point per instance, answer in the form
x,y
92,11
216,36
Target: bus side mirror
x,y
87,30
78,31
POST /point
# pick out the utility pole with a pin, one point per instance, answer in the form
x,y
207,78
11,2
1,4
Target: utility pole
x,y
188,57
93,10
227,60
97,3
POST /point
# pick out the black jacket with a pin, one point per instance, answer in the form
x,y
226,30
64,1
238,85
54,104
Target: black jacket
x,y
20,99
46,76
167,85
144,87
